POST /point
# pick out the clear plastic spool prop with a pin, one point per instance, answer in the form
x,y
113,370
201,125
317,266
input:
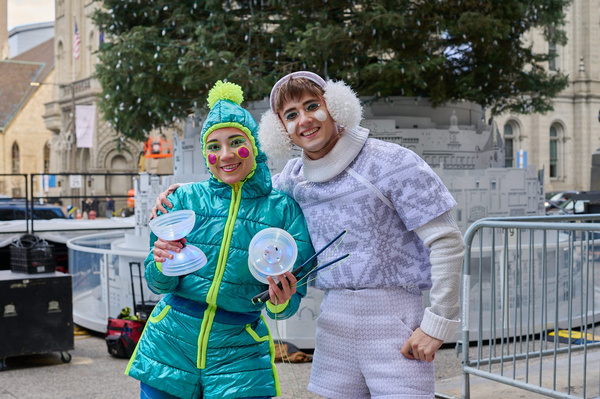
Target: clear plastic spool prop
x,y
174,226
272,252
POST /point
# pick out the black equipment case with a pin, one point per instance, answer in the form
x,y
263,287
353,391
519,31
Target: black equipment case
x,y
36,314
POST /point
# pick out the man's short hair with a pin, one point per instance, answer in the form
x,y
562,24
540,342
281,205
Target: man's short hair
x,y
294,89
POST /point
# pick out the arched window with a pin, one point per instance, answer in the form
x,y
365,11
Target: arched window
x,y
16,167
554,150
509,151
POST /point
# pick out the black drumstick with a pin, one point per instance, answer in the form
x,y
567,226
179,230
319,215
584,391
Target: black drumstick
x,y
297,270
264,296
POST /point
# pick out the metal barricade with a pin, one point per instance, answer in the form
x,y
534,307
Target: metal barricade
x,y
531,304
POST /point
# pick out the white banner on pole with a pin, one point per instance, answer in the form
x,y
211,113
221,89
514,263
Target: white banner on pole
x,y
75,181
85,121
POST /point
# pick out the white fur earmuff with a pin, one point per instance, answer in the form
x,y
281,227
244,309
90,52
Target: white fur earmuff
x,y
274,141
343,104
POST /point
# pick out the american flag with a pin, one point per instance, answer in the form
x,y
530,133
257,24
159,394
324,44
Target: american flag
x,y
76,42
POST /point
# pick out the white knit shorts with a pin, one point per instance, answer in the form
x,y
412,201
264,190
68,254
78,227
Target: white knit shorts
x,y
358,341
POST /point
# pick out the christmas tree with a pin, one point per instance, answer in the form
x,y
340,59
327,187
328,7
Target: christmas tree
x,y
160,58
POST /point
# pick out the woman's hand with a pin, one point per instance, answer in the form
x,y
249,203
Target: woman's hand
x,y
161,249
162,203
281,295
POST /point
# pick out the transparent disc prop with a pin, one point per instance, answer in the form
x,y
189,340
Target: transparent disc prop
x,y
175,226
272,252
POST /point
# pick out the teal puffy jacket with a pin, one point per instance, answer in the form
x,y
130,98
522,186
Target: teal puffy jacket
x,y
206,338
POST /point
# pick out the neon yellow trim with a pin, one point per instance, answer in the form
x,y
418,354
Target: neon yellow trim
x,y
237,126
136,349
272,352
160,316
211,298
207,322
254,335
158,266
277,308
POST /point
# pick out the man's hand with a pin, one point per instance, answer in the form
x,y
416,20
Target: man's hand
x,y
162,203
288,288
421,346
161,249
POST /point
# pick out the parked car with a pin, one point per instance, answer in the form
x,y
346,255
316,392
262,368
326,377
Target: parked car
x,y
16,210
554,200
566,208
584,202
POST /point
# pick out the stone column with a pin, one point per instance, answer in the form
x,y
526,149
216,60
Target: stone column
x,y
595,178
3,30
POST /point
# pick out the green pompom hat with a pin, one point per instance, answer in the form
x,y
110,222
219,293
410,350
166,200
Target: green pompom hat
x,y
224,101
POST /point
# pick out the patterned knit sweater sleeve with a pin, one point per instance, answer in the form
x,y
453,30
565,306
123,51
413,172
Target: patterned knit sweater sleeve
x,y
416,191
442,236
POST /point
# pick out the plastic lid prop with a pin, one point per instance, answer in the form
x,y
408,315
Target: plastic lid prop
x,y
174,226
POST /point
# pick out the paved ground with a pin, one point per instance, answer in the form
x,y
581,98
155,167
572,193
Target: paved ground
x,y
93,373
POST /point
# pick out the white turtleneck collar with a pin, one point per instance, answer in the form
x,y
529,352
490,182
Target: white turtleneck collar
x,y
341,155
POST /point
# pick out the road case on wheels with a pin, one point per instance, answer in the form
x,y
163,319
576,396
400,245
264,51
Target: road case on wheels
x,y
36,314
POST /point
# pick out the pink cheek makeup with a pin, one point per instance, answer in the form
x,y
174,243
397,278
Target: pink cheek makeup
x,y
243,152
212,159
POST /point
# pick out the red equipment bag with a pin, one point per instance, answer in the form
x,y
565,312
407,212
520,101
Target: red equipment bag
x,y
123,334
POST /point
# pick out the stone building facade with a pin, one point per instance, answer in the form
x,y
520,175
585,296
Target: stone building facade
x,y
563,141
25,85
75,87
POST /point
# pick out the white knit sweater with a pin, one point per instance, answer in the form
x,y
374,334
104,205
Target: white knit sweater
x,y
395,209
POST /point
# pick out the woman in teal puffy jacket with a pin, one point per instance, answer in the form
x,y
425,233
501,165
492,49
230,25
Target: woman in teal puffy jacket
x,y
205,338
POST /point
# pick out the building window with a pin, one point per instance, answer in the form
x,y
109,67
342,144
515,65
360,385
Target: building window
x,y
16,168
60,57
47,157
552,56
509,152
553,151
89,64
552,51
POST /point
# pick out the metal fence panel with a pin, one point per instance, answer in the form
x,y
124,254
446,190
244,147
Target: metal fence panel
x,y
531,304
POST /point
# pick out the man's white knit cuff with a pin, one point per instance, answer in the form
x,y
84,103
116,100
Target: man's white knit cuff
x,y
438,327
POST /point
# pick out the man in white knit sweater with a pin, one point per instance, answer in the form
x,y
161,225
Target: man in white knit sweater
x,y
374,339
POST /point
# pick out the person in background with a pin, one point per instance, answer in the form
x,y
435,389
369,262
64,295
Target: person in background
x,y
88,206
205,338
110,207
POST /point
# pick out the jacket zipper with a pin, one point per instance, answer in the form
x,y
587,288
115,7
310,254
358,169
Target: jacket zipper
x,y
211,298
